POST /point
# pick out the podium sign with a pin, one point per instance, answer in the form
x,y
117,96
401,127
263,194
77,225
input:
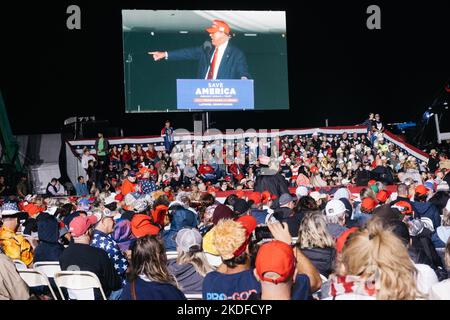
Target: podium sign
x,y
199,94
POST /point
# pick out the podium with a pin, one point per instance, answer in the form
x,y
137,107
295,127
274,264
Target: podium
x,y
199,94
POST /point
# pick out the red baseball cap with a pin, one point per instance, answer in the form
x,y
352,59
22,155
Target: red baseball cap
x,y
275,256
249,223
255,197
368,204
421,190
219,25
265,197
403,206
79,225
340,241
383,196
141,226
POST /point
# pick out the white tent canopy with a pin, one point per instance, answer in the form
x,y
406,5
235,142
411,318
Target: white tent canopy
x,y
198,20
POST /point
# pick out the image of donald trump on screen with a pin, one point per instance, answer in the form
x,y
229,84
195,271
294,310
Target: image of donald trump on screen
x,y
217,59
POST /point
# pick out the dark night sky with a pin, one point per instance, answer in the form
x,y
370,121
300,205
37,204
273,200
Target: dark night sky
x,y
338,69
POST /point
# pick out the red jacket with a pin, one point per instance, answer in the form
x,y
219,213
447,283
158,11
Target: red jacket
x,y
236,171
126,156
127,187
150,154
205,168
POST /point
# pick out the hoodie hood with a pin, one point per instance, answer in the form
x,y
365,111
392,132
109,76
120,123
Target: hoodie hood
x,y
282,213
182,218
422,207
428,213
48,229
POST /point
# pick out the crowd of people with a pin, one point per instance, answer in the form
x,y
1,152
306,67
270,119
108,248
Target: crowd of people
x,y
153,225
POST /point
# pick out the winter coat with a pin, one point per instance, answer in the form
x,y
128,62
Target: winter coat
x,y
48,249
181,218
322,258
272,181
428,213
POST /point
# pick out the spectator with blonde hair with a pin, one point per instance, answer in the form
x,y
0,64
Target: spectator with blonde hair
x,y
316,243
191,266
234,279
374,264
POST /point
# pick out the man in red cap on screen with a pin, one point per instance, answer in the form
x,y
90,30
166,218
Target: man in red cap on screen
x,y
218,59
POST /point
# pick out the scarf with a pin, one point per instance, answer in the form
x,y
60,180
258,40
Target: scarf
x,y
351,284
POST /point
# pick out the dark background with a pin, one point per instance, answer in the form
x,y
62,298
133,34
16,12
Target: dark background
x,y
338,69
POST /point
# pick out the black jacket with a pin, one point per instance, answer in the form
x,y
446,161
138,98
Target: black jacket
x,y
95,260
383,174
49,249
292,218
322,258
232,66
271,181
433,164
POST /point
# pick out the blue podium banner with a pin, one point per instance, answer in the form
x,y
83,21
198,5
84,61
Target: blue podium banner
x,y
198,94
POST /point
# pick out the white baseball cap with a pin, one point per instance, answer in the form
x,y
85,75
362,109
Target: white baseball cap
x,y
334,208
442,186
301,191
317,195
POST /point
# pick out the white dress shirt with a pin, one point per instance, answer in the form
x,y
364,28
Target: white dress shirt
x,y
221,49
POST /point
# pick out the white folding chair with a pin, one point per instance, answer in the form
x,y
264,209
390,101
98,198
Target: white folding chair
x,y
20,265
193,296
171,255
49,268
79,284
34,278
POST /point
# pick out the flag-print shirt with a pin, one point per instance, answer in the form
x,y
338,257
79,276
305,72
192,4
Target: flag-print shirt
x,y
106,243
147,186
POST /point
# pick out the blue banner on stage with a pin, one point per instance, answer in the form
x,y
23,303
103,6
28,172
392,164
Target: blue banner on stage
x,y
198,94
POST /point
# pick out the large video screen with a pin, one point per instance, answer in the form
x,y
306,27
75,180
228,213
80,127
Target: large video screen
x,y
180,60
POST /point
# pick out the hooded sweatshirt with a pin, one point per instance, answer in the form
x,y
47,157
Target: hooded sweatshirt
x,y
189,280
428,213
49,249
181,218
441,236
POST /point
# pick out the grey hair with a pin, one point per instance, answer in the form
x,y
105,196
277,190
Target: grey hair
x,y
336,219
197,259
